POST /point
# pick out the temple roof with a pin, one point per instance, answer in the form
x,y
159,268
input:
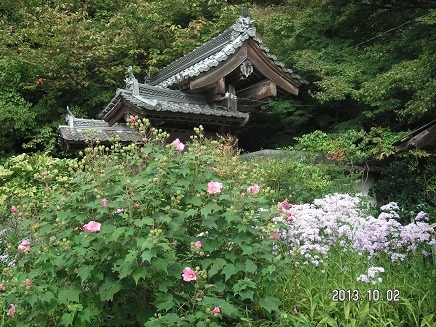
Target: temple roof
x,y
422,138
80,131
215,51
153,102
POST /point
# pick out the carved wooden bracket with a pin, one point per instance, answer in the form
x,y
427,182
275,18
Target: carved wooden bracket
x,y
246,68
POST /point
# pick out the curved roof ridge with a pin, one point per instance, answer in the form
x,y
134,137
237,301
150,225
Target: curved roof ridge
x,y
242,27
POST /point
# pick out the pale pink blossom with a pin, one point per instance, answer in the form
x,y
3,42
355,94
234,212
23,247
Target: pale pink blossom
x,y
214,187
119,210
275,235
13,209
92,227
216,310
197,244
253,189
179,145
104,202
189,274
11,311
284,204
24,246
28,282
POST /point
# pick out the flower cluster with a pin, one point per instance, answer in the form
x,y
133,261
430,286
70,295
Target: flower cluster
x,y
284,208
179,145
370,276
336,220
24,246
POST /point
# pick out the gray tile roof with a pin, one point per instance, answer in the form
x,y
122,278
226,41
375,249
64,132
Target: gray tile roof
x,y
80,130
157,99
212,53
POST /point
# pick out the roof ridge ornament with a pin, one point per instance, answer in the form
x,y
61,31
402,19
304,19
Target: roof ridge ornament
x,y
243,25
132,82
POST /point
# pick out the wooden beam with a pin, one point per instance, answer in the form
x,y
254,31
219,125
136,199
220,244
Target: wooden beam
x,y
268,69
221,71
258,91
217,87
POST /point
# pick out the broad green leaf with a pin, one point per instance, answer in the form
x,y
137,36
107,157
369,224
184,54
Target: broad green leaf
x,y
164,301
270,303
208,209
160,264
250,266
47,296
229,270
67,319
143,221
109,288
84,272
71,294
216,266
148,254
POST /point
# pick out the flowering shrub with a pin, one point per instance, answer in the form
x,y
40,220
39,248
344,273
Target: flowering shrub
x,y
145,234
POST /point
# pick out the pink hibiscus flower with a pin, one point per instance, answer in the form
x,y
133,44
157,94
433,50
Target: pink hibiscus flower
x,y
214,187
92,227
11,311
24,246
189,274
253,189
179,145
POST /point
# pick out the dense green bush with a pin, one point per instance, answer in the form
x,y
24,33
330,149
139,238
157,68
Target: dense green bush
x,y
109,247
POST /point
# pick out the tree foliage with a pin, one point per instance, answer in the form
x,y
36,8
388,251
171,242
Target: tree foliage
x,y
368,62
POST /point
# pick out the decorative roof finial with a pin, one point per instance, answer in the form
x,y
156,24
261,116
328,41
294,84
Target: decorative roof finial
x,y
244,12
243,24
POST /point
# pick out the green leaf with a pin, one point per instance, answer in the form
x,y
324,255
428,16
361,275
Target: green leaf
x,y
84,272
193,200
117,233
329,321
71,294
229,270
270,303
32,299
147,255
209,222
109,288
208,209
123,267
250,266
138,273
47,296
67,319
247,249
160,264
217,266
164,301
143,221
